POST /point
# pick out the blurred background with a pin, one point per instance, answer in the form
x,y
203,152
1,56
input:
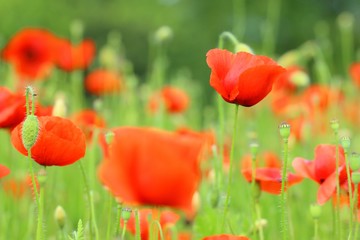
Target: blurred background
x,y
195,25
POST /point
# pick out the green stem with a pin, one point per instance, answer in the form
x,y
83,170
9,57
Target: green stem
x,y
117,221
137,225
355,207
39,229
350,193
271,26
284,229
33,182
258,216
157,224
254,198
87,190
220,159
229,36
316,229
123,231
110,203
227,199
337,206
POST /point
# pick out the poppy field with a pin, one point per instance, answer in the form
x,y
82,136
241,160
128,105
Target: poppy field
x,y
264,145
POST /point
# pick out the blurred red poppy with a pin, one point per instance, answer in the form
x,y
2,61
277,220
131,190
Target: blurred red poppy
x,y
152,167
225,237
59,142
13,110
18,187
100,82
31,51
87,120
165,219
269,177
4,171
70,57
175,100
242,78
355,73
323,170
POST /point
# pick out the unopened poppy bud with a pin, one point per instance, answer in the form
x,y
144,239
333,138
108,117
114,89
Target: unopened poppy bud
x,y
60,108
126,213
289,59
163,34
60,216
77,29
107,57
261,223
300,79
315,211
345,20
355,177
334,124
284,129
345,143
109,137
242,47
354,161
30,131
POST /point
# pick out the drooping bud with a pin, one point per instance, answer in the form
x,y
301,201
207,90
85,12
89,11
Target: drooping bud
x,y
60,216
30,131
60,108
163,34
354,161
300,79
242,47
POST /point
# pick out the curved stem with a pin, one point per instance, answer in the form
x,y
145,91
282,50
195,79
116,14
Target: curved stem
x,y
355,203
337,207
123,231
229,36
39,229
227,199
33,182
350,193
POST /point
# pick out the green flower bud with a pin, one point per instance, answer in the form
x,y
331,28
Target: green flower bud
x,y
345,143
284,129
355,177
77,29
30,131
163,34
242,47
300,78
60,216
345,20
354,161
126,213
315,211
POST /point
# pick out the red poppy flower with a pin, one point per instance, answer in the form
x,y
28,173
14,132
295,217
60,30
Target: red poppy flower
x,y
13,109
4,171
269,177
87,120
59,142
225,237
322,170
70,58
166,218
31,51
355,73
174,100
241,78
100,82
152,167
319,98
